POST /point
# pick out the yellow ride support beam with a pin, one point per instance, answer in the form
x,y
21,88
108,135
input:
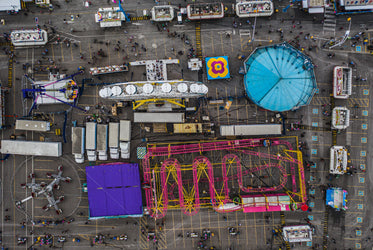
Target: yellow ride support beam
x,y
139,103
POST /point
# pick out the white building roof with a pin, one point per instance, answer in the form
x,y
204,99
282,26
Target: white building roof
x,y
10,5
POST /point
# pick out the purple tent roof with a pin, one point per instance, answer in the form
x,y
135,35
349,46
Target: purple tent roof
x,y
114,190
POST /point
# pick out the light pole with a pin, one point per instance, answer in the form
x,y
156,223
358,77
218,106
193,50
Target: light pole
x,y
345,36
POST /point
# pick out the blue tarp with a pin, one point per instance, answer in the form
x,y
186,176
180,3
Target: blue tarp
x,y
279,78
114,190
336,198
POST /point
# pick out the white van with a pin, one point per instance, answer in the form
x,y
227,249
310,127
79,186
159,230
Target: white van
x,y
179,18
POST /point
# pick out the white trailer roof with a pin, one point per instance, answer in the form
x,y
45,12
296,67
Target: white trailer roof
x,y
143,117
10,5
90,142
77,138
113,135
125,130
102,131
32,125
35,148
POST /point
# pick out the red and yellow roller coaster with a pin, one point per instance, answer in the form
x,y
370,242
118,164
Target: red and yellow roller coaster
x,y
239,175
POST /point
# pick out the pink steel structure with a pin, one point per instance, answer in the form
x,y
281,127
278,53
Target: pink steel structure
x,y
157,203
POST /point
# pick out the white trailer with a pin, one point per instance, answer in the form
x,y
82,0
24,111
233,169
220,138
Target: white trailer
x,y
90,140
78,143
32,125
256,8
340,118
102,141
35,148
338,160
342,82
252,130
125,139
300,233
163,13
149,117
109,17
114,140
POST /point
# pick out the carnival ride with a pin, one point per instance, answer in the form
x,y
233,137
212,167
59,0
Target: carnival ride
x,y
220,174
42,188
64,90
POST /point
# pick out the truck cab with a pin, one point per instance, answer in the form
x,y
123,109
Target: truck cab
x,y
125,138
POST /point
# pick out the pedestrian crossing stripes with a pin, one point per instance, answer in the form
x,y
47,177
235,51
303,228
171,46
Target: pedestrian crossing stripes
x,y
358,102
198,39
330,21
140,18
161,238
334,137
10,67
144,243
325,232
320,100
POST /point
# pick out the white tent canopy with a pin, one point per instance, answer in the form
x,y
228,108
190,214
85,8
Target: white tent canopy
x,y
10,5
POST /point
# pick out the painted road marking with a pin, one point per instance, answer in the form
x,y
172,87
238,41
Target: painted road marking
x,y
360,193
361,179
313,166
359,219
360,206
312,191
358,232
310,217
314,151
363,153
362,166
309,243
365,112
312,204
358,246
315,138
363,140
315,111
315,124
364,126
358,48
365,91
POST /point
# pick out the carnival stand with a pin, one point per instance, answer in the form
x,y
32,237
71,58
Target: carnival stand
x,y
338,160
109,17
340,118
164,13
194,64
342,82
336,198
301,233
108,69
29,37
198,11
156,70
254,8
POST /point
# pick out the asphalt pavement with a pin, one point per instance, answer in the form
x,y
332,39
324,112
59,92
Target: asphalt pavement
x,y
82,38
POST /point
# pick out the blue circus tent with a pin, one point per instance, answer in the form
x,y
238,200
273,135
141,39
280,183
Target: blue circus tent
x,y
279,78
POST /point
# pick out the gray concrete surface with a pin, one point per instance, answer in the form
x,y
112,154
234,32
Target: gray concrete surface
x,y
350,229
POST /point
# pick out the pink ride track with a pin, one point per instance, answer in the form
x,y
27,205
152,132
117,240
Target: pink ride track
x,y
202,165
